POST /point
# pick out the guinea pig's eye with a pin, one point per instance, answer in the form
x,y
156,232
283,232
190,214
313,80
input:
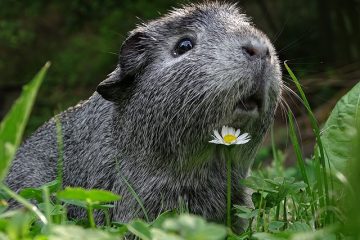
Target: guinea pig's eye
x,y
183,46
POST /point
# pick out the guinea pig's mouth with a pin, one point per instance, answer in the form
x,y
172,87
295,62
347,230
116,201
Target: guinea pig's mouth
x,y
252,103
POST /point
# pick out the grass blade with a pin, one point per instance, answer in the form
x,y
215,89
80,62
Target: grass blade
x,y
13,125
60,145
316,130
25,203
137,198
299,158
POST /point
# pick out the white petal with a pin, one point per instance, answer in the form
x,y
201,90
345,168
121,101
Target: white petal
x,y
215,141
217,135
232,131
237,133
243,136
242,141
224,131
228,130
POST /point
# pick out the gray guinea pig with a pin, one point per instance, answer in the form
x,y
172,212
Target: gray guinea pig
x,y
178,78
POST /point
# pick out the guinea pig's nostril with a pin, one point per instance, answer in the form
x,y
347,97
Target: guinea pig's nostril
x,y
249,50
256,50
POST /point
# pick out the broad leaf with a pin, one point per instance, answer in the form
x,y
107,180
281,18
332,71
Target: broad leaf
x,y
341,130
258,184
245,212
60,232
158,234
37,193
157,223
91,196
140,229
275,226
194,228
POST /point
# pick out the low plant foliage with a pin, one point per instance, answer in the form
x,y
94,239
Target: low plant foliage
x,y
316,199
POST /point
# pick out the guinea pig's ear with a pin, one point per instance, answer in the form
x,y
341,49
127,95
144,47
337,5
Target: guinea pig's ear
x,y
131,58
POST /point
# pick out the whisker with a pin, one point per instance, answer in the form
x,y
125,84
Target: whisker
x,y
285,112
297,41
296,123
291,93
277,36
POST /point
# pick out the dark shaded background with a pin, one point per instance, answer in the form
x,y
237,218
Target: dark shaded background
x,y
81,38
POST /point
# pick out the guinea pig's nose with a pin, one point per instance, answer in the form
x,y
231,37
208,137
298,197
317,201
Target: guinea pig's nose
x,y
255,49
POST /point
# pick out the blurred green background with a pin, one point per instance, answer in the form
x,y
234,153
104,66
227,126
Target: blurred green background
x,y
81,38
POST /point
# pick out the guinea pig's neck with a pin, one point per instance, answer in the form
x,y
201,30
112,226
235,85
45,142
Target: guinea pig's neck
x,y
141,143
199,160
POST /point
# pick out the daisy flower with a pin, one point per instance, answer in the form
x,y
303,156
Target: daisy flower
x,y
230,136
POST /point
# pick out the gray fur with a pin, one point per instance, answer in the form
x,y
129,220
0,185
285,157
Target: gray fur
x,y
160,112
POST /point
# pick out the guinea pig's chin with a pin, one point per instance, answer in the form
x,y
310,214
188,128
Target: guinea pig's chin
x,y
240,113
241,120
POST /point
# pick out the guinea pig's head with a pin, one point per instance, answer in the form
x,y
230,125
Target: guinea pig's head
x,y
192,71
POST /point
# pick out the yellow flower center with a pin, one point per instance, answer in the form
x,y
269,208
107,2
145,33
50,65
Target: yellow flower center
x,y
229,138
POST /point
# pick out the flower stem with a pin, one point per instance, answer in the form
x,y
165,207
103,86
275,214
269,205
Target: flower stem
x,y
91,215
228,193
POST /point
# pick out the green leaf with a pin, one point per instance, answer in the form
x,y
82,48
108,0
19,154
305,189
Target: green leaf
x,y
54,209
37,193
208,232
157,223
18,224
77,233
140,228
13,125
275,226
84,204
268,236
285,187
184,223
158,234
299,227
192,227
93,196
342,129
53,186
117,228
78,203
258,184
245,212
31,193
327,233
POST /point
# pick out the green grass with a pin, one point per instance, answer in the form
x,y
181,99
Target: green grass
x,y
315,199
